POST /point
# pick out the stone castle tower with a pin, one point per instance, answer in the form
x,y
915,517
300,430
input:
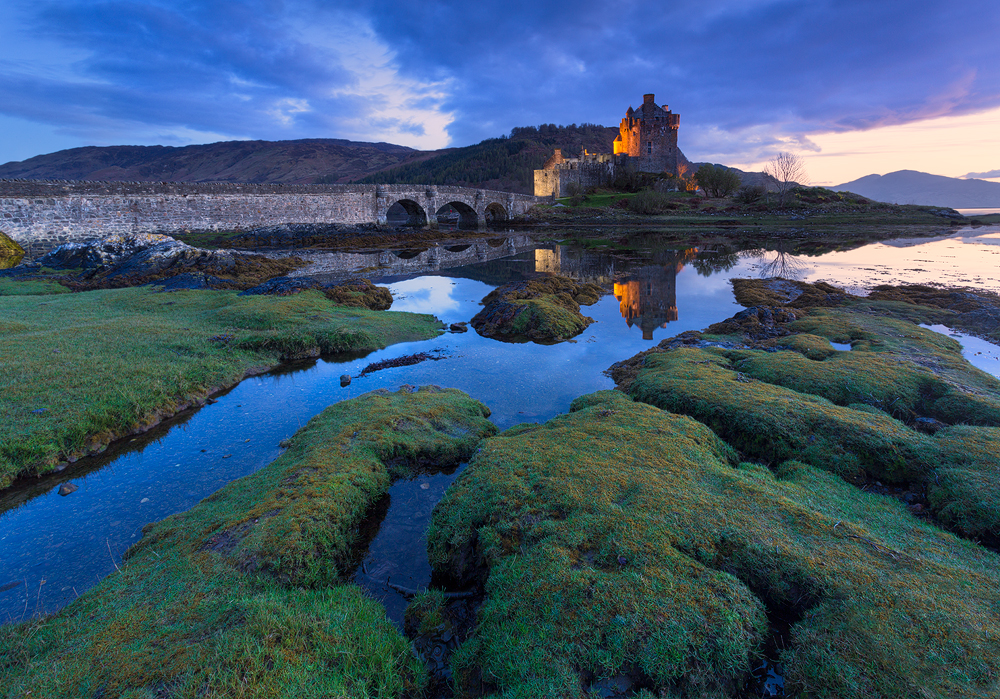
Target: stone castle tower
x,y
648,136
646,142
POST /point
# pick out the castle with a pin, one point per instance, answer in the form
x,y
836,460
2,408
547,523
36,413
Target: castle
x,y
646,142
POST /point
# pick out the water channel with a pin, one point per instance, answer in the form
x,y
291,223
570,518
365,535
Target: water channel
x,y
54,547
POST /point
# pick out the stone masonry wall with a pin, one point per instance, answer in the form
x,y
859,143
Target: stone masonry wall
x,y
40,215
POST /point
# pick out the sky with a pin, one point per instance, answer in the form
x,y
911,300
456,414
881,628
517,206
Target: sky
x,y
852,86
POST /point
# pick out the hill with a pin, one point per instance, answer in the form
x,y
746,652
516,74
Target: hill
x,y
288,162
912,187
506,163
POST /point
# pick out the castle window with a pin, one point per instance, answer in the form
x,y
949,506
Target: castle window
x,y
649,148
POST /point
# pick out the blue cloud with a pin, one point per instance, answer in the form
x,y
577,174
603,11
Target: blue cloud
x,y
745,75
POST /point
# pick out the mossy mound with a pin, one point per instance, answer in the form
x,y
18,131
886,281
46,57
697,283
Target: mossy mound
x,y
965,490
242,595
787,292
893,365
297,519
788,394
773,423
623,542
543,310
356,293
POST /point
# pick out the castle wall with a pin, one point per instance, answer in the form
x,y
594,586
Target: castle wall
x,y
589,170
41,215
548,183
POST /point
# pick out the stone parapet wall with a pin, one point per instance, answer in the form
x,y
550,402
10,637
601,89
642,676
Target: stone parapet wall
x,y
42,214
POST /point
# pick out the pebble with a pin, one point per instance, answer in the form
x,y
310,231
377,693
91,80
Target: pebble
x,y
67,488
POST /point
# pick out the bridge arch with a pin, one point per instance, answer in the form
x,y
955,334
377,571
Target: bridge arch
x,y
468,219
495,213
406,212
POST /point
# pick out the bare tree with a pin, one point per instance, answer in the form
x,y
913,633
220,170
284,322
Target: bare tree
x,y
786,169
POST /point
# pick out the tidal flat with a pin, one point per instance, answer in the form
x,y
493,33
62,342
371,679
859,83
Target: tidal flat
x,y
752,496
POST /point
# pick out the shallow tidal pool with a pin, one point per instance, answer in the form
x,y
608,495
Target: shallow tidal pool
x,y
54,547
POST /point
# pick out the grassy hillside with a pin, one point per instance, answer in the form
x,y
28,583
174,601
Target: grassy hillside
x,y
507,163
289,162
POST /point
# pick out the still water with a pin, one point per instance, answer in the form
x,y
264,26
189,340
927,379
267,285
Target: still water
x,y
54,547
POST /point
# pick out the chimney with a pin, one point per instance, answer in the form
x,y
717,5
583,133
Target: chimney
x,y
648,99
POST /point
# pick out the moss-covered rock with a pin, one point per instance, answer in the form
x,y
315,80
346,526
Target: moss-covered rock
x,y
546,309
621,541
977,312
10,252
242,595
773,423
357,293
784,392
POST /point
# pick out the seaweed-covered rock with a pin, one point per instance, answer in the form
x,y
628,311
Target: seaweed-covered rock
x,y
976,312
359,293
787,292
10,252
625,543
546,309
103,252
243,595
135,259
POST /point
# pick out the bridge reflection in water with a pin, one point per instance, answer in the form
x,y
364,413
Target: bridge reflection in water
x,y
646,291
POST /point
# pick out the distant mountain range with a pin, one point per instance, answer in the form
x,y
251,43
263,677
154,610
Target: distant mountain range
x,y
912,187
506,163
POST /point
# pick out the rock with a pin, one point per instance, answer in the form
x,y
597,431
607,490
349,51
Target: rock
x,y
459,327
102,252
345,380
67,488
136,259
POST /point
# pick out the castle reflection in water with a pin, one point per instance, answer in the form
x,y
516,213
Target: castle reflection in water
x,y
647,295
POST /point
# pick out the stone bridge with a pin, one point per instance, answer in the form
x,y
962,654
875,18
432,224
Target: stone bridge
x,y
39,215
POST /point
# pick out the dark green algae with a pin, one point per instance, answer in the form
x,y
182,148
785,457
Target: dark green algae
x,y
244,594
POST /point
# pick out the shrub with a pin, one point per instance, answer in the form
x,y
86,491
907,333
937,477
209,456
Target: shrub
x,y
716,180
650,202
750,193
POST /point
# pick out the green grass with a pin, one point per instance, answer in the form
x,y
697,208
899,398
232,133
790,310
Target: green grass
x,y
30,287
78,370
242,595
622,539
